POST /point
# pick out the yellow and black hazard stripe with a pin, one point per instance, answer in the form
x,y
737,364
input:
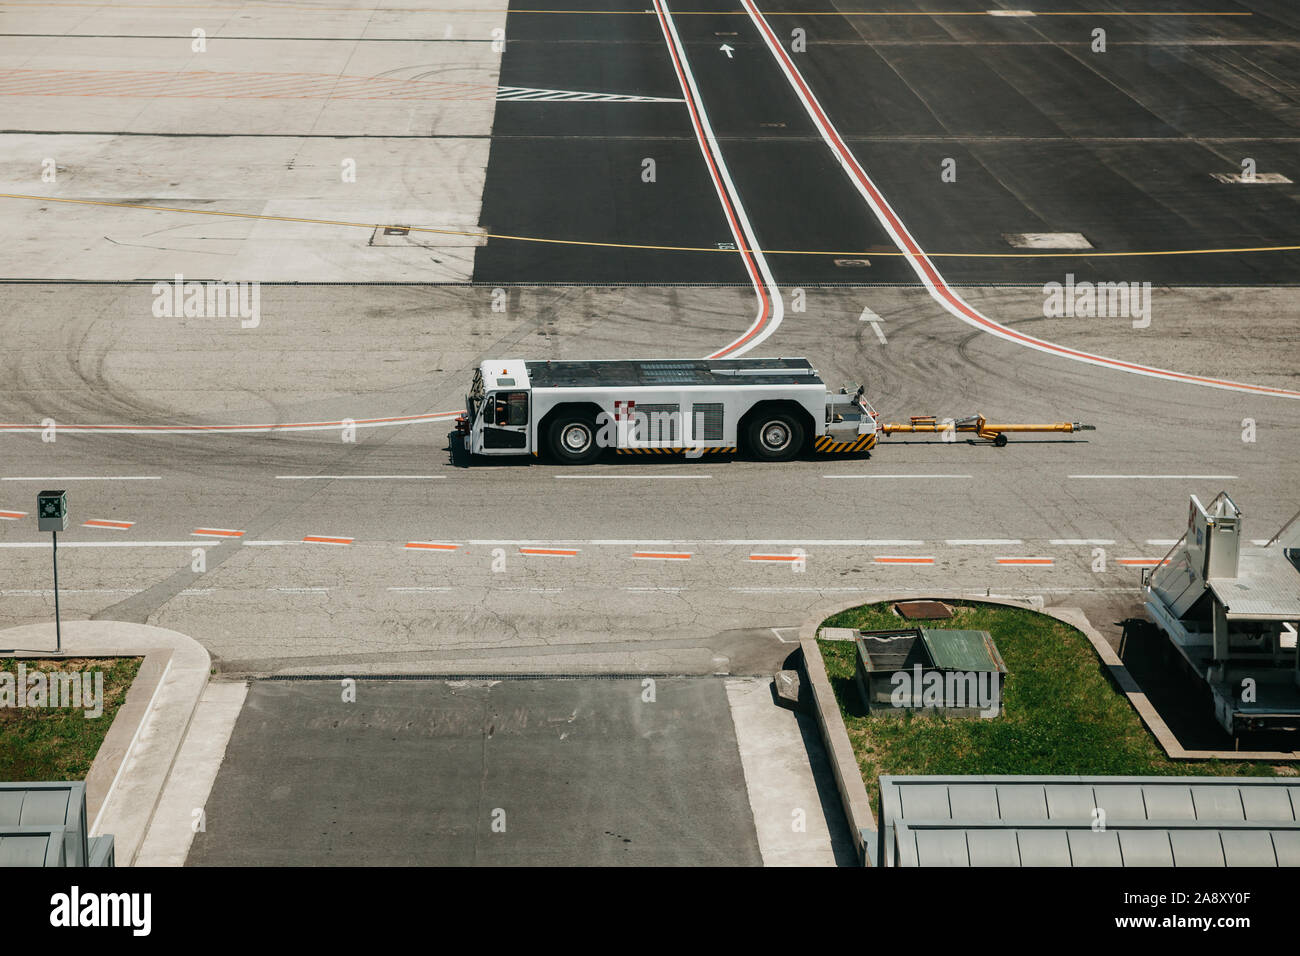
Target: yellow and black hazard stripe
x,y
830,446
672,451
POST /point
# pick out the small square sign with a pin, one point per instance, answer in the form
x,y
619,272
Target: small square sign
x,y
52,510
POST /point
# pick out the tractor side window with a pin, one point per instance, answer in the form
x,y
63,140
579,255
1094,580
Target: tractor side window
x,y
510,408
517,408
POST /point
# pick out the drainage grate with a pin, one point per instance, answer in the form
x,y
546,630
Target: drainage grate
x,y
923,610
853,263
397,230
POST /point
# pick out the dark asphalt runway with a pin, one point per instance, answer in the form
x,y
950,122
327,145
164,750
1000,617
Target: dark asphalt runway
x,y
1047,135
418,772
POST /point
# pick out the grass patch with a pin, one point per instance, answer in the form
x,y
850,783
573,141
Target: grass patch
x,y
1062,714
60,743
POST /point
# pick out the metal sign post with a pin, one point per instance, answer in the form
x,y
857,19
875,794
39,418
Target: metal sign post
x,y
52,516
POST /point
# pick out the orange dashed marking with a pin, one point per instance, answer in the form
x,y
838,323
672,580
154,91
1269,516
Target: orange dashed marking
x,y
115,525
217,533
897,559
551,552
431,546
1140,562
662,555
12,515
322,539
775,557
1044,562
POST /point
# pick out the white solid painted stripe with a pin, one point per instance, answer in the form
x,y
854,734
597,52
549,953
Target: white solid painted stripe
x,y
267,544
230,429
358,477
636,477
655,589
1081,541
749,241
102,544
422,589
1163,542
961,541
920,263
1158,477
49,592
896,476
724,542
92,478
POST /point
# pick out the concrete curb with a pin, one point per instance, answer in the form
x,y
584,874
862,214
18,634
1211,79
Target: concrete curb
x,y
127,778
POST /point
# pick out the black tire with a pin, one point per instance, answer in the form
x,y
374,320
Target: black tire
x,y
774,436
571,440
1000,440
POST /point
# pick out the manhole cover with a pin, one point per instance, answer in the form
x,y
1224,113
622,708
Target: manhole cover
x,y
853,263
923,610
397,230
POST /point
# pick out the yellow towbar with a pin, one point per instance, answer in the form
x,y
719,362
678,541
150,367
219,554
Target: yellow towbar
x,y
989,431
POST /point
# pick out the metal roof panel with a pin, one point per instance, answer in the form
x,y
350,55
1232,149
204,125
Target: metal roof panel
x,y
992,848
1271,803
1286,846
1218,803
1166,802
1146,848
1022,801
941,848
1043,848
1094,848
1196,848
1248,847
1120,802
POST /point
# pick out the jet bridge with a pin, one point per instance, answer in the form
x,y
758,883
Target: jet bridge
x,y
1231,611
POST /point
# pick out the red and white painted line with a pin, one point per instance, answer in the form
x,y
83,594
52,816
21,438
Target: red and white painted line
x,y
551,552
770,307
12,515
112,525
217,533
661,555
1038,562
903,559
220,429
925,270
1140,562
778,557
325,539
431,546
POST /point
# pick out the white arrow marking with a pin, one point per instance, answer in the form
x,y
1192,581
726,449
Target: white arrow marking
x,y
875,320
726,49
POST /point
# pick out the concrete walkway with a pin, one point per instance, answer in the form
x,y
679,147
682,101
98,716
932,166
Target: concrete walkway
x,y
791,788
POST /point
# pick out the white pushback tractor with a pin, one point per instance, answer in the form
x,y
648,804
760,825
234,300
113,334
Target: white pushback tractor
x,y
773,408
